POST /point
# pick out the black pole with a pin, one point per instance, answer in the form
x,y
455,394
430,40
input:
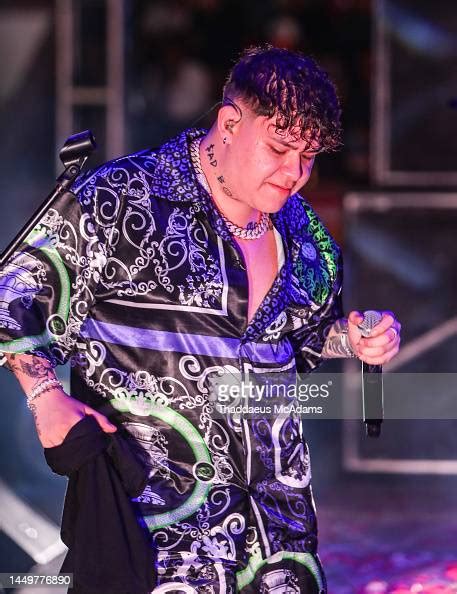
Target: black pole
x,y
73,155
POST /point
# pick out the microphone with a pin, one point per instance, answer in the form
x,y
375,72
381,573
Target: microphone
x,y
372,387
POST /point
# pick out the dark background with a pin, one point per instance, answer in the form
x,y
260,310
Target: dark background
x,y
176,57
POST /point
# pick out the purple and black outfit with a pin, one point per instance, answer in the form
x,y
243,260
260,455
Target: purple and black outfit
x,y
134,277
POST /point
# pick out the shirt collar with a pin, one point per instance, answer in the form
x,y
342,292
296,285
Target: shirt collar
x,y
174,177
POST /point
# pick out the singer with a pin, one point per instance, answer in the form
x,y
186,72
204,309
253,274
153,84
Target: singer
x,y
165,266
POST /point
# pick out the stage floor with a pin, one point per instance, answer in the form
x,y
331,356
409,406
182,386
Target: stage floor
x,y
389,536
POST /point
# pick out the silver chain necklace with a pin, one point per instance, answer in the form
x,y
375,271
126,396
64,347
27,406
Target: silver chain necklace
x,y
254,231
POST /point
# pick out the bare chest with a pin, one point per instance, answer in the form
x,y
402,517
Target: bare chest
x,y
261,258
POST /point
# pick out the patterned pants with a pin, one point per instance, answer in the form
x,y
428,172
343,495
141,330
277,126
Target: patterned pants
x,y
283,573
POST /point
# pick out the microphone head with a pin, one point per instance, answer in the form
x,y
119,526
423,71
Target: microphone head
x,y
370,319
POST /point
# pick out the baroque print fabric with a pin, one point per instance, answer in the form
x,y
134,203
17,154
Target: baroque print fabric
x,y
134,279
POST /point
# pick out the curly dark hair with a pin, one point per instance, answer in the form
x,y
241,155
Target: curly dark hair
x,y
274,81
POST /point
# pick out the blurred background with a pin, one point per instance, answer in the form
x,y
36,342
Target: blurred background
x,y
138,71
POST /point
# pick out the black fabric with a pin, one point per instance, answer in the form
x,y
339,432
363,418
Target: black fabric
x,y
108,550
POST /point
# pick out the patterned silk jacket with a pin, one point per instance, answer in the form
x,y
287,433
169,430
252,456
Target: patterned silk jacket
x,y
134,278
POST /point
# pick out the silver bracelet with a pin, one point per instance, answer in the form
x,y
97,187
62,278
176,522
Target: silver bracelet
x,y
347,346
43,387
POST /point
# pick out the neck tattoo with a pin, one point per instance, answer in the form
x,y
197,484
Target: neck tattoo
x,y
253,230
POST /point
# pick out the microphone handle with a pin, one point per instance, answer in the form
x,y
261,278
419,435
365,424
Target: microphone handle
x,y
373,398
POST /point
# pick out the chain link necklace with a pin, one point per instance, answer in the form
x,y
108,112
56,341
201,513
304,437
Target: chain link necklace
x,y
254,231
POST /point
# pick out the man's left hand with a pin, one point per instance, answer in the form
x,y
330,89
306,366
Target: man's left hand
x,y
382,344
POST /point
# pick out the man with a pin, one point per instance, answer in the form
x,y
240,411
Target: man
x,y
166,267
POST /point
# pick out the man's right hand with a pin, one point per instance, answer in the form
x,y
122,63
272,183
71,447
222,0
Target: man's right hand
x,y
56,413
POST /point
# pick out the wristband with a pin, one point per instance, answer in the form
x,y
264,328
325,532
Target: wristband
x,y
346,345
43,387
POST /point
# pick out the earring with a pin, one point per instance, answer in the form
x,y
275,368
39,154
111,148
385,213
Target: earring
x,y
224,140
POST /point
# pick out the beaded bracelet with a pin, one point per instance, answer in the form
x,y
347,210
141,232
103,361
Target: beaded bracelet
x,y
43,387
